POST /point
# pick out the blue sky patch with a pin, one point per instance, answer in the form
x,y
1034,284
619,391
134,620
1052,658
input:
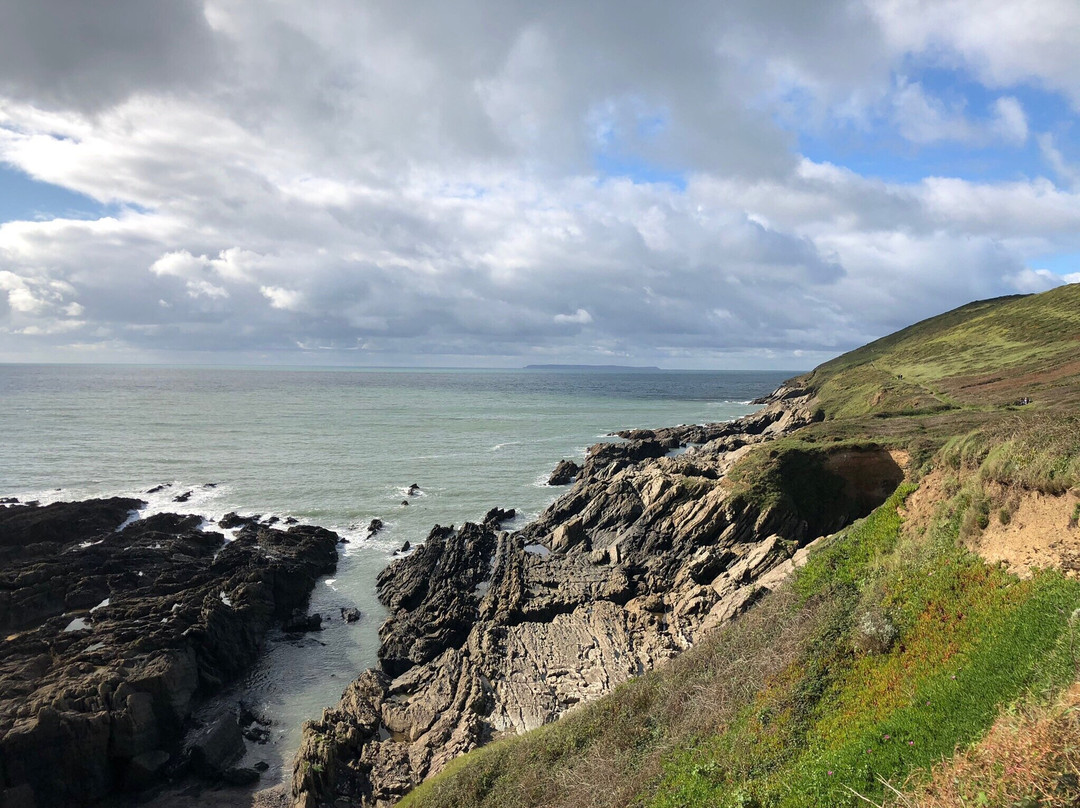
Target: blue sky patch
x,y
23,198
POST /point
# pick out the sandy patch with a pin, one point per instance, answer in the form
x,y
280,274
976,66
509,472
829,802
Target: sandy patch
x,y
1038,535
919,509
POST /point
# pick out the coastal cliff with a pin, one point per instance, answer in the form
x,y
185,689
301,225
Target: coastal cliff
x,y
670,571
494,633
117,627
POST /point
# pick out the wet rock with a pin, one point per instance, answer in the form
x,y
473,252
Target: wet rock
x,y
496,516
374,526
157,489
404,503
350,615
261,766
233,520
80,711
184,497
414,489
564,473
216,746
145,769
239,776
299,623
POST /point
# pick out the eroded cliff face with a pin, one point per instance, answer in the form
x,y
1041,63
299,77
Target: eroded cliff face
x,y
114,631
493,632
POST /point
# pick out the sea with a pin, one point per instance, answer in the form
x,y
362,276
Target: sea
x,y
337,448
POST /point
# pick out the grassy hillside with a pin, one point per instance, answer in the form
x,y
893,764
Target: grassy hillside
x,y
877,671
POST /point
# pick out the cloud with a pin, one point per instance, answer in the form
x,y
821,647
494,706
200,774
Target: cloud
x,y
66,53
1066,172
286,299
494,180
923,119
1010,122
579,317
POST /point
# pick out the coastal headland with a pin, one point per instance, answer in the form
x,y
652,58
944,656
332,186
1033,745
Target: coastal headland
x,y
711,614
601,620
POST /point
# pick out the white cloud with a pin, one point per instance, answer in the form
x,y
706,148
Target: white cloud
x,y
1010,121
285,299
1003,42
923,119
1068,173
579,317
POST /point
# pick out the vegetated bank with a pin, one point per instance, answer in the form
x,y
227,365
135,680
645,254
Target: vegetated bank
x,y
925,655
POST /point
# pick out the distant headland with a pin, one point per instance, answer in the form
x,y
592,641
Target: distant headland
x,y
597,368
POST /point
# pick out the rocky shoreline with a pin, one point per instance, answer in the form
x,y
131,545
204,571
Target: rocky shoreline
x,y
493,633
116,628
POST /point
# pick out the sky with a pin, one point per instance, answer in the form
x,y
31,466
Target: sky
x,y
492,183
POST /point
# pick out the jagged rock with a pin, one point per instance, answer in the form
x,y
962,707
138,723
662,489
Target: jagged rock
x,y
184,497
414,489
492,633
374,526
496,516
186,613
564,473
233,520
350,615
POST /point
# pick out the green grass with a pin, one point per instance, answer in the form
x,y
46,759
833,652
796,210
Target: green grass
x,y
970,638
948,361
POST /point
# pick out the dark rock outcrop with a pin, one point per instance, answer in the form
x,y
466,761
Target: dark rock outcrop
x,y
496,516
113,636
564,473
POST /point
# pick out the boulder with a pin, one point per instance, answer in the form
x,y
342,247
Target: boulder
x,y
216,746
145,769
350,615
300,622
564,473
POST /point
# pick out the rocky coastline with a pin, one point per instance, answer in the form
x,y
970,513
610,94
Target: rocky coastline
x,y
117,627
493,633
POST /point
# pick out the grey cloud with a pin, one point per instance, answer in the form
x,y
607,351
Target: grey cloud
x,y
86,55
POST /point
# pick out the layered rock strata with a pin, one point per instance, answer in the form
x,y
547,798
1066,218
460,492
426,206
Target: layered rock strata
x,y
494,632
115,628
